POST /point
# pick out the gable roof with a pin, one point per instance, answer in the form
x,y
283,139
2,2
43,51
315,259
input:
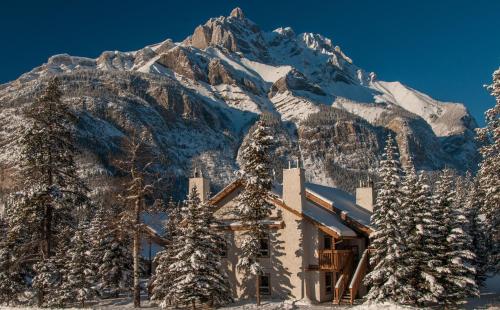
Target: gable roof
x,y
322,210
340,201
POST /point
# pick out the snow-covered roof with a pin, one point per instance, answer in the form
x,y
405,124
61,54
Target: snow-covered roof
x,y
321,215
327,218
342,201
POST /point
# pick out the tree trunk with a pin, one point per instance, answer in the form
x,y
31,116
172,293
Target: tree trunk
x,y
257,291
40,298
136,252
193,305
48,231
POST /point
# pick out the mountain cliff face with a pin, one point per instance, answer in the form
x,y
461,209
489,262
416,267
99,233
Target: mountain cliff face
x,y
199,98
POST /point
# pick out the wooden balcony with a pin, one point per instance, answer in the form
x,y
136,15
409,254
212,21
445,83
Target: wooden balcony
x,y
334,260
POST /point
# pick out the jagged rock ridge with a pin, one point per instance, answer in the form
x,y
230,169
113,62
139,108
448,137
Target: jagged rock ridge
x,y
199,97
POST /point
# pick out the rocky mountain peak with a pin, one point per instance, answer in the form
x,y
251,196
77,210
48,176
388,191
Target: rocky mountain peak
x,y
237,13
199,98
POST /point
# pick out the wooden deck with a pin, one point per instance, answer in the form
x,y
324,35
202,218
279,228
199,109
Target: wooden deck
x,y
334,260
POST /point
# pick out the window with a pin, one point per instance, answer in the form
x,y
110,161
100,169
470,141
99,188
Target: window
x,y
265,284
264,247
327,242
328,282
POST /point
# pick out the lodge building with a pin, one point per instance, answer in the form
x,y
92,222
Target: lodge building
x,y
317,246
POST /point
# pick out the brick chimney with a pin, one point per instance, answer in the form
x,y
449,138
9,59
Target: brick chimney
x,y
365,195
202,185
293,188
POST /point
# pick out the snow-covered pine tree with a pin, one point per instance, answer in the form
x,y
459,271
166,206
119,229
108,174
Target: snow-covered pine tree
x,y
424,244
452,262
217,280
11,282
252,207
40,214
99,235
489,170
77,281
388,279
116,269
47,281
462,258
414,205
164,277
473,204
110,254
196,264
52,189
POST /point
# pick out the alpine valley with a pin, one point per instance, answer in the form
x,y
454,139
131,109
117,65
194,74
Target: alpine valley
x,y
200,97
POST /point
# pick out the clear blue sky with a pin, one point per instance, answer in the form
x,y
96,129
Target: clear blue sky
x,y
445,48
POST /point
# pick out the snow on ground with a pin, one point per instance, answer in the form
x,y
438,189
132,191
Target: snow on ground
x,y
271,305
490,299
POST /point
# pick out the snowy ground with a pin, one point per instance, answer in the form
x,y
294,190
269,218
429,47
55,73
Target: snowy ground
x,y
490,299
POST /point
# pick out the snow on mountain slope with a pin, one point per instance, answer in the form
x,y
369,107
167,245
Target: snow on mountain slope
x,y
199,97
444,117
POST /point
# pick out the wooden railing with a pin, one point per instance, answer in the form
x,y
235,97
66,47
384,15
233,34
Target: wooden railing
x,y
343,280
333,260
358,276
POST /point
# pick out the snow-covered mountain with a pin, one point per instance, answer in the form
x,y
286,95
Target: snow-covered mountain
x,y
200,96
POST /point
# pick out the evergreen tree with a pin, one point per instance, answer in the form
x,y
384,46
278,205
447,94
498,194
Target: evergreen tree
x,y
115,271
197,261
218,283
11,282
252,206
52,189
41,214
453,261
388,279
110,254
489,170
415,205
47,281
424,244
164,277
100,236
473,203
77,281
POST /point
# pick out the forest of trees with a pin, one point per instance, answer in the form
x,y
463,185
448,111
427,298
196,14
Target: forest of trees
x,y
433,244
437,246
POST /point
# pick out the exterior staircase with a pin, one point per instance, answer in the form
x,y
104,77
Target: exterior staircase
x,y
348,284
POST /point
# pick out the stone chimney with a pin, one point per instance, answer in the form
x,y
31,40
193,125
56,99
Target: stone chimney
x,y
293,188
365,195
202,185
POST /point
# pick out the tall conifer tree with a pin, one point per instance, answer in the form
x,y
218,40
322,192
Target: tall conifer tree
x,y
197,261
164,278
452,262
489,170
42,213
253,207
473,204
388,277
